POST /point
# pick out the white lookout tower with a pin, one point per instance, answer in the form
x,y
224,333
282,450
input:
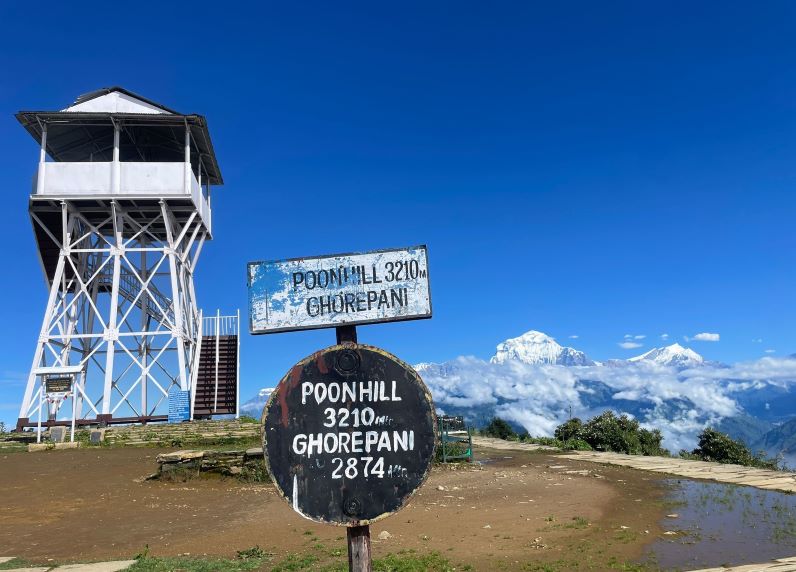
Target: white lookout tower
x,y
120,209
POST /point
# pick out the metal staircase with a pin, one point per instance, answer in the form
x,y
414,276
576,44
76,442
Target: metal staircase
x,y
216,385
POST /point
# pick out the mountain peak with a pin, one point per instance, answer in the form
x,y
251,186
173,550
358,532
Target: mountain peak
x,y
674,354
535,347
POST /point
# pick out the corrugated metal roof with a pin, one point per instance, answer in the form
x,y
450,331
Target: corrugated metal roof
x,y
106,90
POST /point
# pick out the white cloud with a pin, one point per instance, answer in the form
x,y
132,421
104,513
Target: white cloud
x,y
664,337
771,351
706,337
574,337
629,345
539,397
639,336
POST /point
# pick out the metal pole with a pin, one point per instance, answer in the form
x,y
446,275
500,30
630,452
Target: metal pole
x,y
38,434
74,399
42,161
218,333
144,346
116,178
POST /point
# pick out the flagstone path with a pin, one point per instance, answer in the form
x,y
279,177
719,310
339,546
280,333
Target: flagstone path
x,y
733,474
116,566
779,565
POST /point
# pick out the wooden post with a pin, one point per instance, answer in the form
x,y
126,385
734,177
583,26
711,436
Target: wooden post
x,y
346,334
359,557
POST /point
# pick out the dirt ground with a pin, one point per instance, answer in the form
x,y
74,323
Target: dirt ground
x,y
517,510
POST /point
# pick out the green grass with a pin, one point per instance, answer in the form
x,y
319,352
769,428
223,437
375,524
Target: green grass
x,y
154,564
16,563
405,561
318,558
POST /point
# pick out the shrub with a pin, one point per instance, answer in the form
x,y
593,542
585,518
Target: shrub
x,y
721,448
607,432
499,428
651,442
572,429
576,445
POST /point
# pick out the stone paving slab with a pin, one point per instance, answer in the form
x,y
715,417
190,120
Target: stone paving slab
x,y
779,565
701,470
115,566
734,474
98,566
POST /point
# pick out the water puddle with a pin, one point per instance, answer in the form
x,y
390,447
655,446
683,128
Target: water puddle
x,y
719,524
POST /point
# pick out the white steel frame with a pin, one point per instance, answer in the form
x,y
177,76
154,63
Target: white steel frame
x,y
122,307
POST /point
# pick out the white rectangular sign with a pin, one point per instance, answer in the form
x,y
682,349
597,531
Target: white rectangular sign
x,y
339,289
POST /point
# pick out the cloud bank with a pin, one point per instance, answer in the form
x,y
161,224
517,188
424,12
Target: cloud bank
x,y
539,397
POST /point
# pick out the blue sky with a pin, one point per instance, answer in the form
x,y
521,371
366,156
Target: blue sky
x,y
580,169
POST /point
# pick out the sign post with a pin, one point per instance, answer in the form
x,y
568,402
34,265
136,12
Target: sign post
x,y
339,289
357,537
179,405
349,433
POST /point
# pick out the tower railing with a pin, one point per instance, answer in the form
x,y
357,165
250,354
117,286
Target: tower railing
x,y
139,179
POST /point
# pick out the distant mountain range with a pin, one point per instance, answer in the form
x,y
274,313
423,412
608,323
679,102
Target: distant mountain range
x,y
537,348
535,383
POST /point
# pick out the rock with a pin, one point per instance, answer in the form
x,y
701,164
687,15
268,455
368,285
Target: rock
x,y
58,434
384,535
673,515
486,526
440,488
33,447
670,533
68,445
96,436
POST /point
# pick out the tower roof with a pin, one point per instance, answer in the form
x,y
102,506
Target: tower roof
x,y
80,132
115,99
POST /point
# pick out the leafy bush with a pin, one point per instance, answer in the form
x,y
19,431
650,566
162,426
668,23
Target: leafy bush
x,y
499,428
548,441
576,445
721,448
572,429
607,432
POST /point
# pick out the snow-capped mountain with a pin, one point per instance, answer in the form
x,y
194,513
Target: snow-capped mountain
x,y
535,348
674,355
255,405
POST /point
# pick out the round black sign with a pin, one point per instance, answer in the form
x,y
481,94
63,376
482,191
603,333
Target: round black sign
x,y
349,434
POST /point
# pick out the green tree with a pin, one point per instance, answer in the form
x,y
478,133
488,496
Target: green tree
x,y
719,447
571,429
499,428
